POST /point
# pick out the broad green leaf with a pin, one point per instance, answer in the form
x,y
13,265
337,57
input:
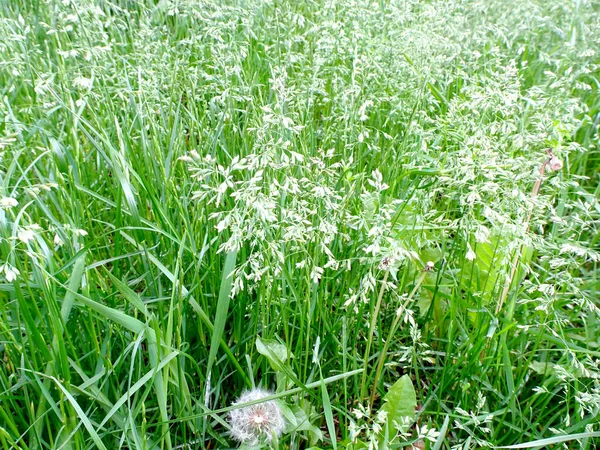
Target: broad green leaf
x,y
298,420
399,403
425,296
482,275
275,352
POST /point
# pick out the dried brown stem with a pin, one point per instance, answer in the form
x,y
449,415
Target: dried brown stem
x,y
515,262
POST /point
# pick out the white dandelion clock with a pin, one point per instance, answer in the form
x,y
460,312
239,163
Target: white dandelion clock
x,y
257,423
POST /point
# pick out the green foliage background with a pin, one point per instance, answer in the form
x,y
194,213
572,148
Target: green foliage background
x,y
191,176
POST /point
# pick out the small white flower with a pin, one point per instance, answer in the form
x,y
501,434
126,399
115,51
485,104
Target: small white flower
x,y
251,424
8,202
431,434
482,234
10,272
354,431
80,232
358,413
377,181
82,82
58,241
222,225
48,186
316,274
185,158
471,255
26,235
473,197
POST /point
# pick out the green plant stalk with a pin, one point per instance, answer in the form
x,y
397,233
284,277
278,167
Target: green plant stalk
x,y
518,254
393,328
363,382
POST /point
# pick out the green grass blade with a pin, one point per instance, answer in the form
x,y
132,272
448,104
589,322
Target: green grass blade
x,y
554,440
222,309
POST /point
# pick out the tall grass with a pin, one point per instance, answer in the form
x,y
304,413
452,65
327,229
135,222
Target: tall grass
x,y
315,197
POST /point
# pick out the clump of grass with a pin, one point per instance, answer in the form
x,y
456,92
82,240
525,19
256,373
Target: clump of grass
x,y
332,197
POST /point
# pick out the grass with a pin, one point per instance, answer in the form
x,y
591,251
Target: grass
x,y
341,202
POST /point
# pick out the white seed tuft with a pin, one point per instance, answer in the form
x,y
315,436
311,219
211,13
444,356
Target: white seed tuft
x,y
255,423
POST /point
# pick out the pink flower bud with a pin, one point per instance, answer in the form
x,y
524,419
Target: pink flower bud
x,y
554,164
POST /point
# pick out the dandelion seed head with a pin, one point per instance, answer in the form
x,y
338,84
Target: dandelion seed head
x,y
251,424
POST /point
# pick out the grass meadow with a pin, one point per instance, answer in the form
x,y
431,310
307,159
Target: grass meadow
x,y
309,224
